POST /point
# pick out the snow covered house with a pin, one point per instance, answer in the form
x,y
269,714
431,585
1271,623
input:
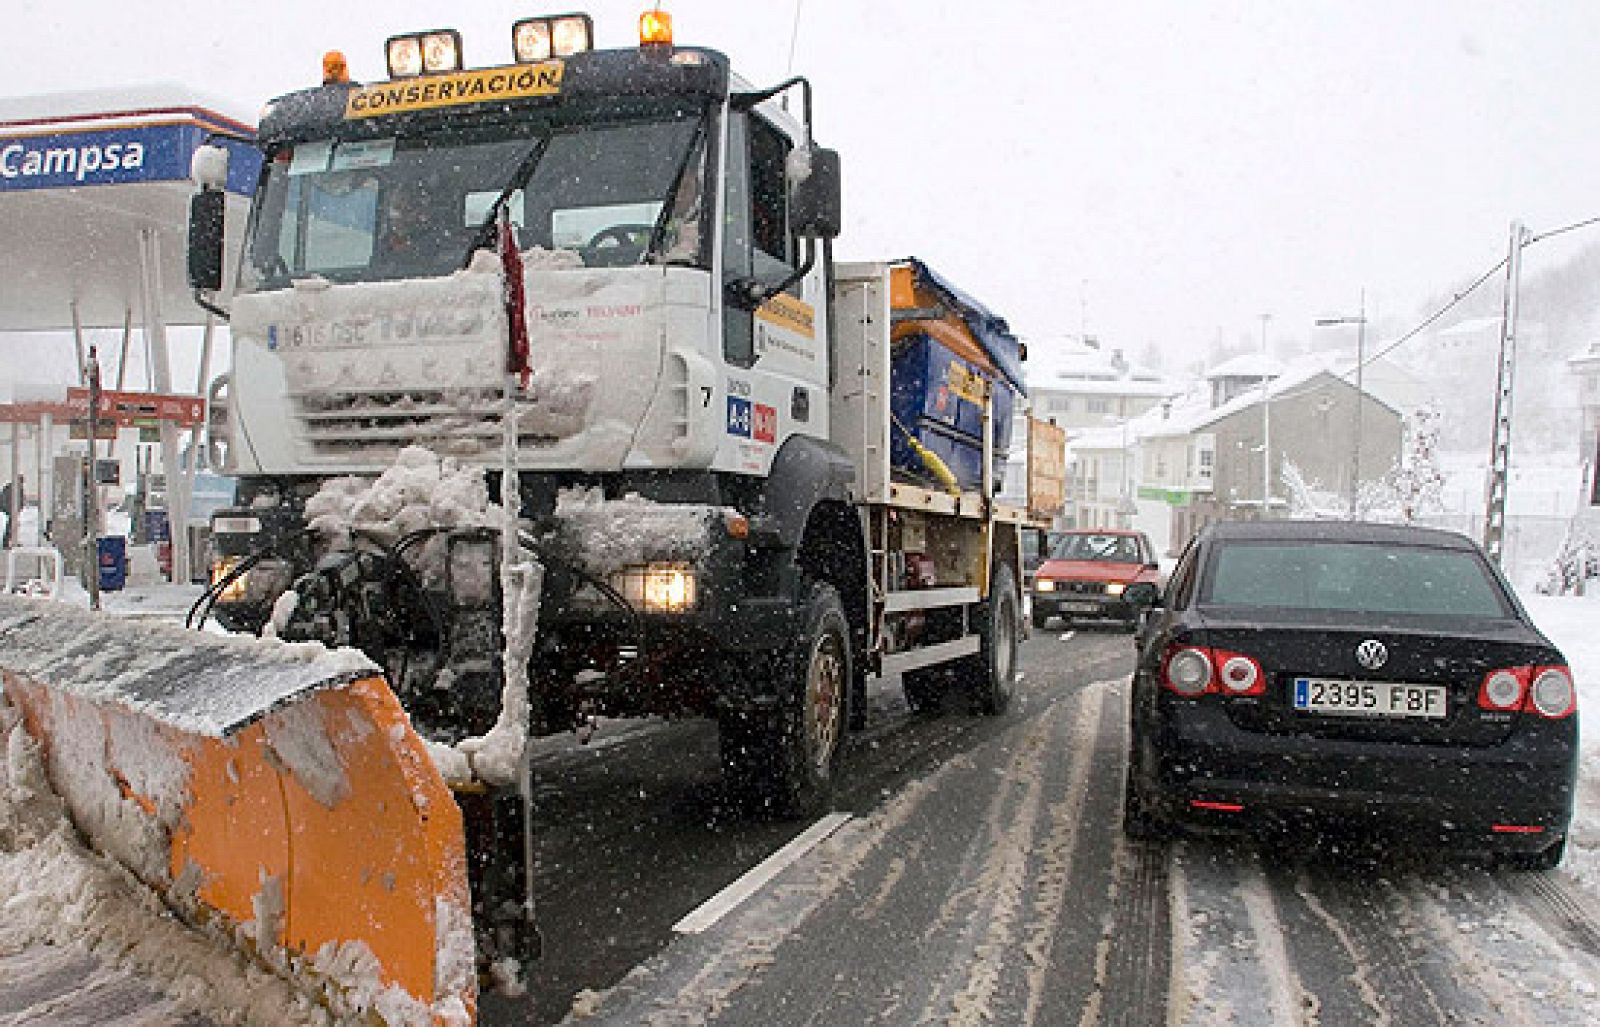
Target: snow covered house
x,y
1222,456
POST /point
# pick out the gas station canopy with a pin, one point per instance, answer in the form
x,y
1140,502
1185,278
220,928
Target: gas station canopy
x,y
94,195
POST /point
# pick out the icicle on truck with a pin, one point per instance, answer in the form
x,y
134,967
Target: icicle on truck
x,y
744,476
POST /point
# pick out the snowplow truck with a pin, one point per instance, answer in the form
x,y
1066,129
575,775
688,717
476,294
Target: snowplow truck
x,y
735,476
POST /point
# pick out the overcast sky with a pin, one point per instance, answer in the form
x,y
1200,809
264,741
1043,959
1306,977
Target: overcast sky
x,y
1160,172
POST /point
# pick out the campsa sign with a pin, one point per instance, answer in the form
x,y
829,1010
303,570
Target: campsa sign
x,y
148,153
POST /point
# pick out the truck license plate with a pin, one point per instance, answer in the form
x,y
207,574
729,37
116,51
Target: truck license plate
x,y
1369,698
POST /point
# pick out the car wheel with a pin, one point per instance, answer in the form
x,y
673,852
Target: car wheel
x,y
1040,618
1142,820
1547,858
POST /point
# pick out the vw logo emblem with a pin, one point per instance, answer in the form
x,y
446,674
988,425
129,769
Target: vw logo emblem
x,y
1371,654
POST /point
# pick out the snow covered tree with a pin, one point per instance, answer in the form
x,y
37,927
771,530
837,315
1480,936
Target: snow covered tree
x,y
1417,483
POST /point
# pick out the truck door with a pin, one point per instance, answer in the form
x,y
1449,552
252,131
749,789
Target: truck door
x,y
756,244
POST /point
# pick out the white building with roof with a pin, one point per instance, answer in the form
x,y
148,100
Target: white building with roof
x,y
1201,460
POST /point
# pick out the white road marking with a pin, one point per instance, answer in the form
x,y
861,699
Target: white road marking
x,y
729,898
1066,636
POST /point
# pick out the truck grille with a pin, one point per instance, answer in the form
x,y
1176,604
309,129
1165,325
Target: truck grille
x,y
341,426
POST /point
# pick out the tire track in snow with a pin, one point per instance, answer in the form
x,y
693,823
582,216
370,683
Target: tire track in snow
x,y
1056,861
1559,907
1358,975
1527,966
1481,971
1396,974
1232,961
1004,852
1132,961
698,978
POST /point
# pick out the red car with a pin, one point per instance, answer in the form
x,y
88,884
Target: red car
x,y
1087,573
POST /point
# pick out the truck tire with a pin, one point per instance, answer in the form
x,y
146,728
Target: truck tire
x,y
786,761
991,676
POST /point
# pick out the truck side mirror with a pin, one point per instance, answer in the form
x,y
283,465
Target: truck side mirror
x,y
206,216
815,199
208,166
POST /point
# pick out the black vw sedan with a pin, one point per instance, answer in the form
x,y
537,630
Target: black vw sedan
x,y
1358,675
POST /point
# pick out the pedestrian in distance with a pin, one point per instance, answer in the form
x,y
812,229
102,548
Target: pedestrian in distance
x,y
11,515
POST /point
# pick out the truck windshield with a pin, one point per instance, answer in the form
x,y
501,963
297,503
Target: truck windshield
x,y
411,206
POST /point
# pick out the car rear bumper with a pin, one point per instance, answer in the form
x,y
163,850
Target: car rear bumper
x,y
1513,797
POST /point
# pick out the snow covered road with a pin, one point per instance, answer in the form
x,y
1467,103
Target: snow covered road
x,y
982,879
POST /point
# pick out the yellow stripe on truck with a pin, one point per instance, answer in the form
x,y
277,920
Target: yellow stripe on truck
x,y
433,91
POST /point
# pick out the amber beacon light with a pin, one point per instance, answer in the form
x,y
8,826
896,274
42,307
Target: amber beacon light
x,y
335,69
655,28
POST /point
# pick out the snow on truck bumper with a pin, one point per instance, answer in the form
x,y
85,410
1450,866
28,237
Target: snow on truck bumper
x,y
682,567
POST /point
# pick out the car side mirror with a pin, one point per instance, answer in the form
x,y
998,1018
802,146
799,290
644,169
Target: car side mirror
x,y
1142,595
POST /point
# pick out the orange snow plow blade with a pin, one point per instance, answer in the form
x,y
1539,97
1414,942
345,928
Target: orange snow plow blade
x,y
273,794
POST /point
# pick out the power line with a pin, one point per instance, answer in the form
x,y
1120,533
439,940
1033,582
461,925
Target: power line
x,y
1436,315
1469,290
1563,229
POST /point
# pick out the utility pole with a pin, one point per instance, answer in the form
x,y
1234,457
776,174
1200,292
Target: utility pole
x,y
1494,515
1266,422
91,487
1360,321
1361,403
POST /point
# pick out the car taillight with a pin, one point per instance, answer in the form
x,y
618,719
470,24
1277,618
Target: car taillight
x,y
1240,674
1545,691
1552,694
1503,690
1195,670
1187,671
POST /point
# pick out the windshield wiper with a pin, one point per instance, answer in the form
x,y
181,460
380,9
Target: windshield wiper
x,y
483,235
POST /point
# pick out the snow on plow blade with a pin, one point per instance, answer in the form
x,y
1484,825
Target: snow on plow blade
x,y
273,794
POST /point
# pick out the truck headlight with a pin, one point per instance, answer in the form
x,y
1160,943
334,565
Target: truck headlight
x,y
260,585
1044,585
234,592
657,587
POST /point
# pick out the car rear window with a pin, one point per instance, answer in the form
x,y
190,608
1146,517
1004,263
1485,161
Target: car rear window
x,y
1369,577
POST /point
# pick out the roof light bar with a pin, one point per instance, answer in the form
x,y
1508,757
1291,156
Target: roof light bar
x,y
424,53
539,39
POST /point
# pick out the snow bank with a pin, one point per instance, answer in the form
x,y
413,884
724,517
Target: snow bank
x,y
1570,622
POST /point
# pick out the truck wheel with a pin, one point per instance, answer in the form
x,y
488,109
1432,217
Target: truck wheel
x,y
788,760
991,676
